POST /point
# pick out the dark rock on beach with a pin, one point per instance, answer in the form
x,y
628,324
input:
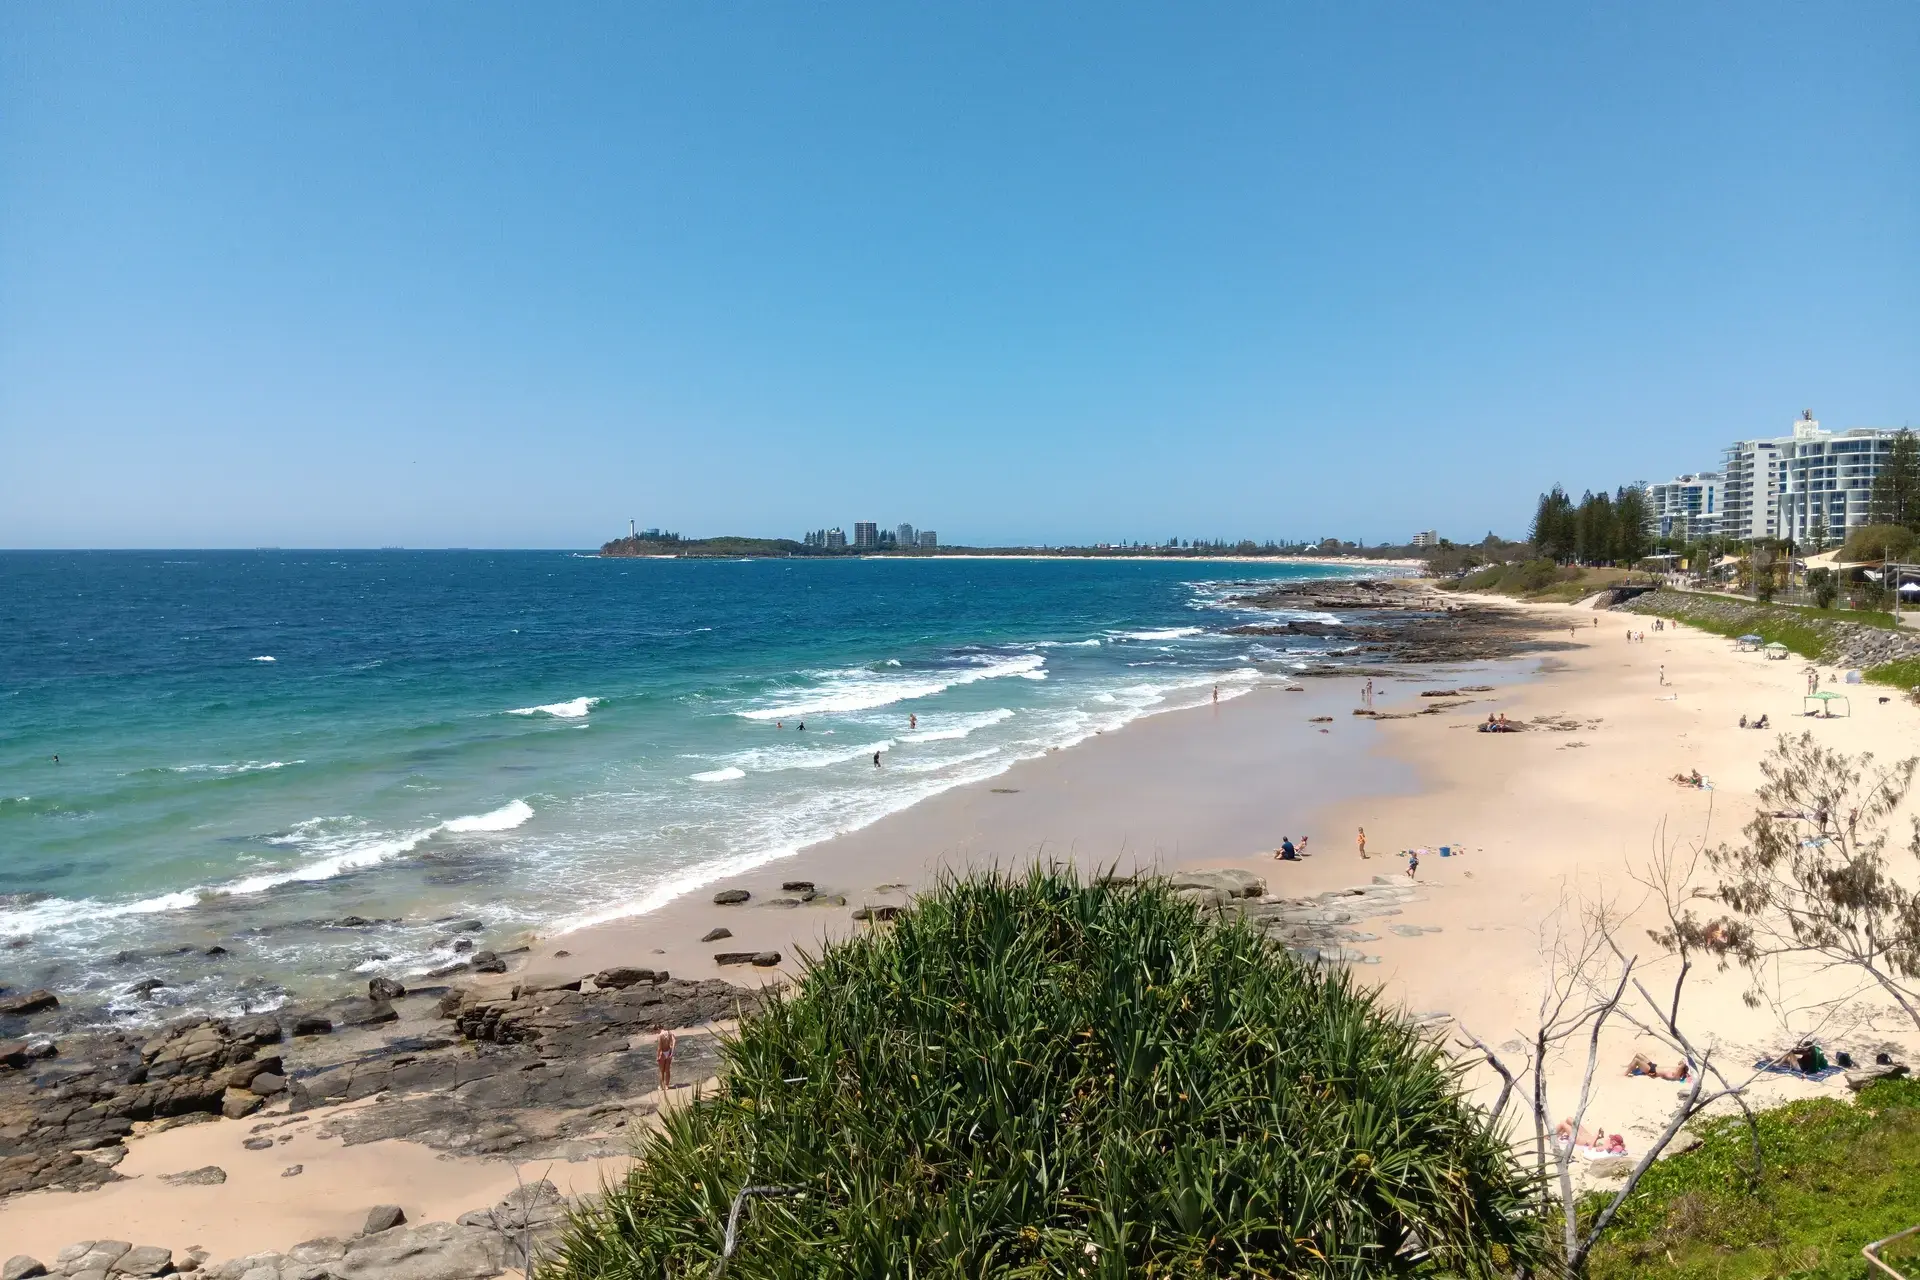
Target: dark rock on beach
x,y
730,897
715,935
384,989
32,1002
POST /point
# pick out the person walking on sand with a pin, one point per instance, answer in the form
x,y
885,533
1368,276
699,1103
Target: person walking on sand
x,y
1663,675
1413,862
1216,695
1363,843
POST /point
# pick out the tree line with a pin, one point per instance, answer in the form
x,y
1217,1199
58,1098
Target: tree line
x,y
1601,528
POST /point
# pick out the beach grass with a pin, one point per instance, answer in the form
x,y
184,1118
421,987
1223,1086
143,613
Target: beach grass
x,y
1036,1076
1838,1175
1901,674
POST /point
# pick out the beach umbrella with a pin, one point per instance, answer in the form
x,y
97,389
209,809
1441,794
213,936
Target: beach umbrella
x,y
1749,639
1910,589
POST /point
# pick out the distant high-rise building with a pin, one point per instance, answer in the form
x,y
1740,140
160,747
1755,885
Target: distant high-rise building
x,y
904,536
1426,538
929,539
836,539
1685,507
866,535
1813,485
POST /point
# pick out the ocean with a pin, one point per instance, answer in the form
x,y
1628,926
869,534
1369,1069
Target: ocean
x,y
258,749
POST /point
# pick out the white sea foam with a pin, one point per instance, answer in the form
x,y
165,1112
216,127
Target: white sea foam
x,y
728,774
505,818
266,658
342,851
249,766
934,766
863,690
571,710
1165,633
795,756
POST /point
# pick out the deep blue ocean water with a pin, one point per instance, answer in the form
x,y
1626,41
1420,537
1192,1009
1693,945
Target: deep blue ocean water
x,y
254,744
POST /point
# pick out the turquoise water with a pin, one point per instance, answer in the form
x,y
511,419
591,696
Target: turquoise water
x,y
253,746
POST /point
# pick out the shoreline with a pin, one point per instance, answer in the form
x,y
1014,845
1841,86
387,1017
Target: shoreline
x,y
1571,805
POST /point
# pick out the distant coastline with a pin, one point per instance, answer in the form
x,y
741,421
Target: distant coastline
x,y
735,548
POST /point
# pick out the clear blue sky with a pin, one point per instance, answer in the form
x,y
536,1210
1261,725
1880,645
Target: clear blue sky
x,y
427,274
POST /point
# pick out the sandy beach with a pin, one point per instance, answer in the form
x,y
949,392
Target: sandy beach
x,y
1533,818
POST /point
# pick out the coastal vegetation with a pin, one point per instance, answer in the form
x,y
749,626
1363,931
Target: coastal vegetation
x,y
1600,529
1544,580
1834,1176
1036,1076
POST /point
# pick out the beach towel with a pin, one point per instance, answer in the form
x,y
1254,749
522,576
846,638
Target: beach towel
x,y
1775,1068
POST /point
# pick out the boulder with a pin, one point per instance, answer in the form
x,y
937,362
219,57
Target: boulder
x,y
1864,1076
293,1171
714,935
365,1013
145,987
1230,882
240,1103
383,1217
730,897
766,959
99,1258
21,1267
18,1053
144,1261
620,977
430,1251
533,984
242,1076
312,1024
796,886
733,957
464,926
379,989
267,1084
258,1144
20,1006
488,962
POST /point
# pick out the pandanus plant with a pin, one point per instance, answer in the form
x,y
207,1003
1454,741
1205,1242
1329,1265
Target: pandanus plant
x,y
1036,1076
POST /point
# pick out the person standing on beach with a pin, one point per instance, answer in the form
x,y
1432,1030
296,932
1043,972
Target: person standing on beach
x,y
1663,675
1363,843
1216,695
663,1059
1413,862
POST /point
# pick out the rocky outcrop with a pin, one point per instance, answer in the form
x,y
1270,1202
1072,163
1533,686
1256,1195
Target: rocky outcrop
x,y
62,1123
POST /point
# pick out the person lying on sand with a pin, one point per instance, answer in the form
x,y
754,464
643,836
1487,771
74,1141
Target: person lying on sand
x,y
1645,1066
1583,1137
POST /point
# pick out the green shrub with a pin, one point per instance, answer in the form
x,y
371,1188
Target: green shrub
x,y
1536,575
1879,542
1836,1176
1034,1077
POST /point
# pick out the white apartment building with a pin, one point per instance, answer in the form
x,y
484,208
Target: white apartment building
x,y
1685,507
1812,486
1426,538
904,536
